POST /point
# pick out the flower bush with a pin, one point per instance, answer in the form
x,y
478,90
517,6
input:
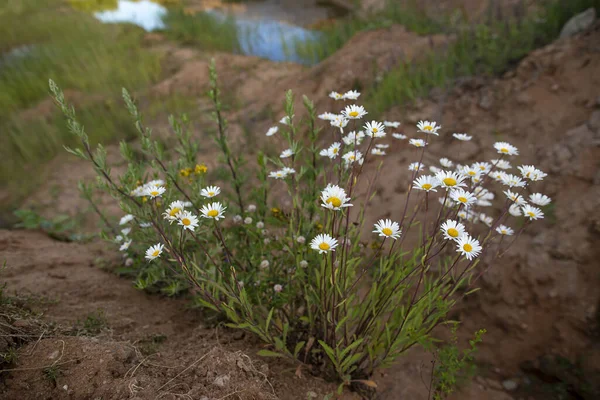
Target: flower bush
x,y
278,249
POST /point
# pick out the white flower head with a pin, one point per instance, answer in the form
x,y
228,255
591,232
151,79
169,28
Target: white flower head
x,y
450,180
504,230
382,145
515,197
374,129
334,198
210,191
387,228
286,120
187,220
154,251
354,112
251,208
277,174
446,163
336,96
482,167
452,230
323,243
125,245
352,157
286,153
430,127
461,196
506,148
377,152
354,138
339,122
126,219
175,208
498,176
277,288
327,116
247,220
272,130
264,264
462,136
303,264
427,183
514,210
334,150
502,164
435,169
237,219
288,171
532,212
301,239
125,231
155,182
470,171
417,142
512,181
416,166
532,173
539,199
486,219
154,191
391,124
351,95
214,210
399,136
468,247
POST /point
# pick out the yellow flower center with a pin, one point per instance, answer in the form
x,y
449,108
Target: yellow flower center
x,y
453,232
154,193
335,150
481,167
472,173
462,199
386,231
531,214
334,201
503,231
324,246
186,221
450,181
212,213
374,130
353,113
174,211
155,253
504,150
427,186
428,128
211,194
467,247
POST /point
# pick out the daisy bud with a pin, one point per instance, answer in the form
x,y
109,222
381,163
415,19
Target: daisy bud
x,y
266,241
260,225
237,219
241,284
303,264
301,239
248,220
277,288
129,262
251,208
264,264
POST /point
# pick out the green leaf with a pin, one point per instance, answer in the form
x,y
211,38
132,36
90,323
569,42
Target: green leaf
x,y
330,353
298,348
269,317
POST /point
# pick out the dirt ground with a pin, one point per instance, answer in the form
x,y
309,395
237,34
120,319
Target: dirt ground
x,y
539,303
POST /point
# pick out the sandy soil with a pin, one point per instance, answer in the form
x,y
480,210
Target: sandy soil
x,y
539,303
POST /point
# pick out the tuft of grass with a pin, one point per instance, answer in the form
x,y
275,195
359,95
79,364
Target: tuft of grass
x,y
52,373
483,49
202,30
92,325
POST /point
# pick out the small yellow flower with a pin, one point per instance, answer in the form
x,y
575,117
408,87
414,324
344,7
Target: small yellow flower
x,y
185,172
200,169
275,210
319,226
144,199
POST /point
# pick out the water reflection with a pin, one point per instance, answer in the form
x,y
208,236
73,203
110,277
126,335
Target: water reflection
x,y
144,13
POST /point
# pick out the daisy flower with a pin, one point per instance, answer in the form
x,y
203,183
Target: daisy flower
x,y
378,152
334,197
502,164
187,220
277,174
505,230
327,116
531,172
351,95
125,219
538,175
469,171
354,138
499,176
446,163
468,247
210,191
353,156
334,150
516,198
286,153
483,167
399,136
539,199
324,153
175,208
323,243
514,210
288,171
286,120
154,251
449,179
429,127
427,183
272,130
145,224
532,212
336,95
375,129
339,122
512,181
506,148
154,191
214,210
452,230
416,166
391,124
486,219
354,112
155,182
463,197
387,228
462,136
125,245
382,146
417,142
277,288
118,238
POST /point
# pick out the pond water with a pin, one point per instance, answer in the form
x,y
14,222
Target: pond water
x,y
266,28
